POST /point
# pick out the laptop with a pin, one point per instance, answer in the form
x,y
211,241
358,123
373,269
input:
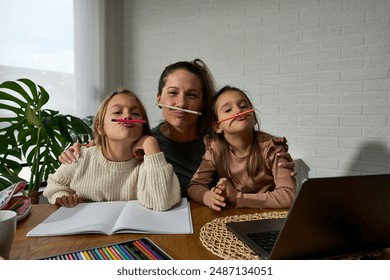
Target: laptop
x,y
329,217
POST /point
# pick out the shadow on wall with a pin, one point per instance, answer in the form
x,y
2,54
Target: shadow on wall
x,y
373,158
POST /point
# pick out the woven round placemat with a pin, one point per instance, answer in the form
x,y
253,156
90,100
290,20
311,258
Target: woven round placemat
x,y
219,241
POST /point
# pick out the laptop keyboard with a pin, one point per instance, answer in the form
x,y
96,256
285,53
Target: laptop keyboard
x,y
265,240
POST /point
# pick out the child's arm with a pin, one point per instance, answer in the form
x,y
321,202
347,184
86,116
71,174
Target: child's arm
x,y
158,187
285,185
58,189
199,187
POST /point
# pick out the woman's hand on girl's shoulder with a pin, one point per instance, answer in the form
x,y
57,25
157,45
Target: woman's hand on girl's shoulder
x,y
73,152
289,164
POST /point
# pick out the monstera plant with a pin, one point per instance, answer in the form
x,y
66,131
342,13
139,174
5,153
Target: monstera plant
x,y
33,135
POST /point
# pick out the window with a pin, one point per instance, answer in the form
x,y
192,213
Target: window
x,y
38,43
60,45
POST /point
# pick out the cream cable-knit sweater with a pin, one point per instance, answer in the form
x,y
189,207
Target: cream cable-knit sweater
x,y
151,181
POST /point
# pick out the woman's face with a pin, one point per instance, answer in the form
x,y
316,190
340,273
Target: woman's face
x,y
182,89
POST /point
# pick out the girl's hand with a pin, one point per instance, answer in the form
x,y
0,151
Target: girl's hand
x,y
146,145
216,199
228,191
69,200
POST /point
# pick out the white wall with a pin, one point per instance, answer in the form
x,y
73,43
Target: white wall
x,y
317,70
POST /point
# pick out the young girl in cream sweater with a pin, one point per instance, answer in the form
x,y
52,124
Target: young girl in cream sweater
x,y
245,159
125,164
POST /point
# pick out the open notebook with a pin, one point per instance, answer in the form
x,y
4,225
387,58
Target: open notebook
x,y
113,217
329,216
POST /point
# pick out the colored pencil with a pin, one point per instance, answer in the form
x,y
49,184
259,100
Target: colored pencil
x,y
113,253
128,121
103,254
126,252
144,251
108,254
179,109
118,255
97,252
81,256
163,255
237,115
87,256
93,254
75,256
120,252
150,249
135,254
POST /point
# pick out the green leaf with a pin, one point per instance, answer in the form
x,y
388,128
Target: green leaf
x,y
63,126
31,116
44,97
46,125
32,87
80,127
17,88
11,99
28,132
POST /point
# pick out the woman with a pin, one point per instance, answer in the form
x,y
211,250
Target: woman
x,y
184,85
190,86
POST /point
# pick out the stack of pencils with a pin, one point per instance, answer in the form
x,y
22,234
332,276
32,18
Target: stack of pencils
x,y
139,249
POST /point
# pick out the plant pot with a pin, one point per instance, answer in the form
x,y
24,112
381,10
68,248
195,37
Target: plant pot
x,y
34,195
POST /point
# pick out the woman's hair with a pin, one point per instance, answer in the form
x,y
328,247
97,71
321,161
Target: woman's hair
x,y
255,162
98,123
199,69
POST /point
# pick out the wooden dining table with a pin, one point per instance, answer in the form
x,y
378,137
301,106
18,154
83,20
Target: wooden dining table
x,y
178,246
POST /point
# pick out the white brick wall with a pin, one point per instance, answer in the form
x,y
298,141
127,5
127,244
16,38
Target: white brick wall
x,y
316,70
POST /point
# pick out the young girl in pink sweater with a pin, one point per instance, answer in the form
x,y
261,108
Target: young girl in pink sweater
x,y
244,158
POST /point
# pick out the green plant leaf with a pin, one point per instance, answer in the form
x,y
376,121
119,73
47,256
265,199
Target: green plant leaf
x,y
32,134
31,139
11,99
31,116
17,88
46,125
79,126
32,87
63,127
44,97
